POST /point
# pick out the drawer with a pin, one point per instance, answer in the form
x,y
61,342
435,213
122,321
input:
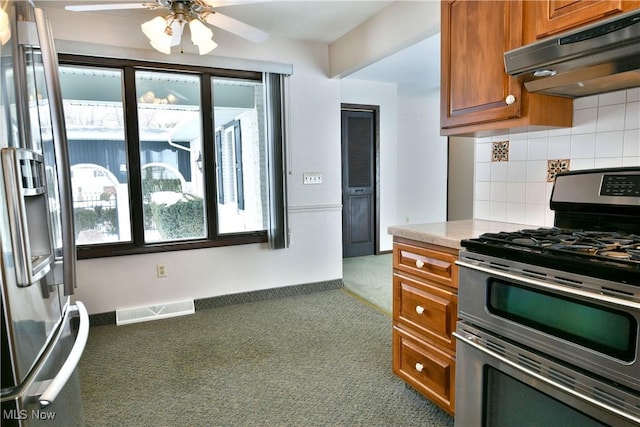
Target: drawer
x,y
425,368
431,264
431,310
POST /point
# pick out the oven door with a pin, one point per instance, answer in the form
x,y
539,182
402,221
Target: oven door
x,y
501,384
586,327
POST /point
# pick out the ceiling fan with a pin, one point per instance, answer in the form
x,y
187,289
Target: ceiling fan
x,y
165,32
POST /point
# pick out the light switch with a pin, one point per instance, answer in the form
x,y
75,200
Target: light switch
x,y
312,178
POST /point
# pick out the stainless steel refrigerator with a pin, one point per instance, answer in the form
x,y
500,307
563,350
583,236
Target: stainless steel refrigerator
x,y
43,333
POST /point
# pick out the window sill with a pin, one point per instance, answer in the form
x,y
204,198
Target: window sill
x,y
122,249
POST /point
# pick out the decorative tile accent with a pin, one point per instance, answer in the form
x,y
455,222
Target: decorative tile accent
x,y
500,151
556,166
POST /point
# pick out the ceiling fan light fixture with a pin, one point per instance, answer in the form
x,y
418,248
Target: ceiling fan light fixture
x,y
159,33
5,30
177,26
162,45
201,36
154,27
206,46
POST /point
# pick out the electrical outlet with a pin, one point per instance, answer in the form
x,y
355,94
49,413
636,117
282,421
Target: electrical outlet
x,y
161,269
312,178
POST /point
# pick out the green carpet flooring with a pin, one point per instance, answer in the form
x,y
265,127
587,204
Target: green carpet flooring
x,y
319,359
369,277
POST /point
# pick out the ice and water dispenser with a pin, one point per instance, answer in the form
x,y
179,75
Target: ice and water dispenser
x,y
29,213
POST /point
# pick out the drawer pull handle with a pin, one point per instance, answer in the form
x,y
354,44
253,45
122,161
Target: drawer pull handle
x,y
419,263
419,367
419,309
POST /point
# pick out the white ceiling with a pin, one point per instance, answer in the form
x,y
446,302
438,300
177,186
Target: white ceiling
x,y
416,69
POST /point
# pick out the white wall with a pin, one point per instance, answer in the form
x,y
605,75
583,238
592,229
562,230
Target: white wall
x,y
315,254
606,133
422,161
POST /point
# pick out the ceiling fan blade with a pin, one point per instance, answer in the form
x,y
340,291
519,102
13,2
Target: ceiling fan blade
x,y
222,3
236,27
109,6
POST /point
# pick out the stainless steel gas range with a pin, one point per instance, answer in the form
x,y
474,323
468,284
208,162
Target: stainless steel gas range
x,y
550,317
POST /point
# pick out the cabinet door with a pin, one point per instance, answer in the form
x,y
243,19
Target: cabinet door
x,y
475,35
425,367
554,16
431,264
430,310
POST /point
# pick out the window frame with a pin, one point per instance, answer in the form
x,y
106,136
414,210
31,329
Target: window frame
x,y
137,245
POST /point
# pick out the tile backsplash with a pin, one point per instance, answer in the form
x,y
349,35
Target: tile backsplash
x,y
514,171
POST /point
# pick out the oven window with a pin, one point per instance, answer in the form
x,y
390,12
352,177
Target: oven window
x,y
599,328
511,403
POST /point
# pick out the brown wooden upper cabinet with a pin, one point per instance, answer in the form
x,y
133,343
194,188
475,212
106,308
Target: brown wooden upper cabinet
x,y
476,93
555,16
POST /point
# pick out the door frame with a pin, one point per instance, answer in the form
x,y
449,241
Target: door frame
x,y
375,109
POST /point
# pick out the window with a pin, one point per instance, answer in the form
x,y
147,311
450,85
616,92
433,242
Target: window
x,y
94,119
170,134
168,157
240,155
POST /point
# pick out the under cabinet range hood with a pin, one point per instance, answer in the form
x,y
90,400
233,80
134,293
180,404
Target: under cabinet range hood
x,y
593,59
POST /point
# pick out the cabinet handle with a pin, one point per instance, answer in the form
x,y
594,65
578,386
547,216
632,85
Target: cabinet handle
x,y
419,263
510,99
419,309
419,367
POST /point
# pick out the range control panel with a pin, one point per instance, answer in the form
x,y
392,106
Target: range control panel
x,y
597,189
620,185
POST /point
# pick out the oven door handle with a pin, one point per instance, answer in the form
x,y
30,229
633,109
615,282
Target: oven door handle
x,y
601,297
469,339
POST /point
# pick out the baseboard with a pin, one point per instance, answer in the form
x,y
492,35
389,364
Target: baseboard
x,y
109,318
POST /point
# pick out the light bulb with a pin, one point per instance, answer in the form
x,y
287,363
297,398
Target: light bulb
x,y
153,28
177,26
206,46
156,31
5,30
162,45
201,37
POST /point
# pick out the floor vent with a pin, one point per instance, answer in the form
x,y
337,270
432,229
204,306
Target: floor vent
x,y
154,312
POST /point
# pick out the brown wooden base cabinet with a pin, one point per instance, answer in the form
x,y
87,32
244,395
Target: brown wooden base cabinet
x,y
425,308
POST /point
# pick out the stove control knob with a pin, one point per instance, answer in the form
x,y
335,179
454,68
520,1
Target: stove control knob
x,y
419,263
419,367
419,309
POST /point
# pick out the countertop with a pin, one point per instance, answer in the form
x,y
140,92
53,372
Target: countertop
x,y
450,233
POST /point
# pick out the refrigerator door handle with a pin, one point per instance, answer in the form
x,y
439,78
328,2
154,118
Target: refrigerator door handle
x,y
55,386
58,128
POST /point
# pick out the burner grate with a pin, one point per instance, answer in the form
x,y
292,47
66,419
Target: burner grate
x,y
605,246
607,255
